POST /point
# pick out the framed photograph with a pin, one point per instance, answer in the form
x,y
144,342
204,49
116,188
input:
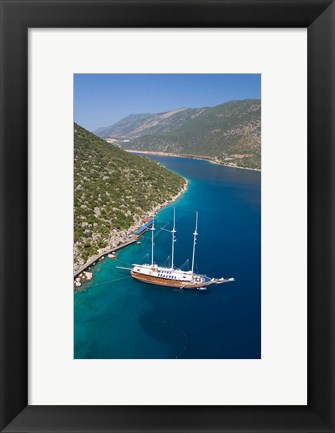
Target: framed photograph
x,y
164,177
167,216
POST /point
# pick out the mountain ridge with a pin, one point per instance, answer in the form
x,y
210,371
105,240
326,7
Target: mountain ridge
x,y
228,133
113,191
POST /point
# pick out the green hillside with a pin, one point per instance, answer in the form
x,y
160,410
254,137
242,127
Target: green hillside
x,y
229,133
113,191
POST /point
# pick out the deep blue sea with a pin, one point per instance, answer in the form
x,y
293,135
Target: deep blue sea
x,y
118,317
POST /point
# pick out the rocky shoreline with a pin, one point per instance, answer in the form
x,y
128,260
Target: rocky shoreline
x,y
185,155
117,240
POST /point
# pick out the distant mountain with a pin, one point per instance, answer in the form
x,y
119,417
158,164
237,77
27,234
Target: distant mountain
x,y
137,125
113,191
229,133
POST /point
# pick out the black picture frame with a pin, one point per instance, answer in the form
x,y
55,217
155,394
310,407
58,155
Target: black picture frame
x,y
16,18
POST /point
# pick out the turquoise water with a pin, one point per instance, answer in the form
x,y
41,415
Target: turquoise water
x,y
118,317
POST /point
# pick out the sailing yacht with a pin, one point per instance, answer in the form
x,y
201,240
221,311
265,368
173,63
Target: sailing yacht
x,y
171,276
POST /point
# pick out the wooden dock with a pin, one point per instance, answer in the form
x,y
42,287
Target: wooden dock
x,y
95,259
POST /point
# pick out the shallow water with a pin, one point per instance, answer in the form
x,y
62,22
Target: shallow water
x,y
118,317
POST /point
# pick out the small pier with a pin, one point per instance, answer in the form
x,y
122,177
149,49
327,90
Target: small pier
x,y
95,259
132,239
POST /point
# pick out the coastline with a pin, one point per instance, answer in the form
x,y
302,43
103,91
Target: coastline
x,y
121,240
185,155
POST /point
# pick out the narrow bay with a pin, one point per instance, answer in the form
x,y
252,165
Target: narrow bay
x,y
117,317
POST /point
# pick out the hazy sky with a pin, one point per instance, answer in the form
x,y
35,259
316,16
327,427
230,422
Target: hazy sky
x,y
103,99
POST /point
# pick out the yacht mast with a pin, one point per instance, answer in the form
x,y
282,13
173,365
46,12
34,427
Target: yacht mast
x,y
195,234
152,239
173,231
